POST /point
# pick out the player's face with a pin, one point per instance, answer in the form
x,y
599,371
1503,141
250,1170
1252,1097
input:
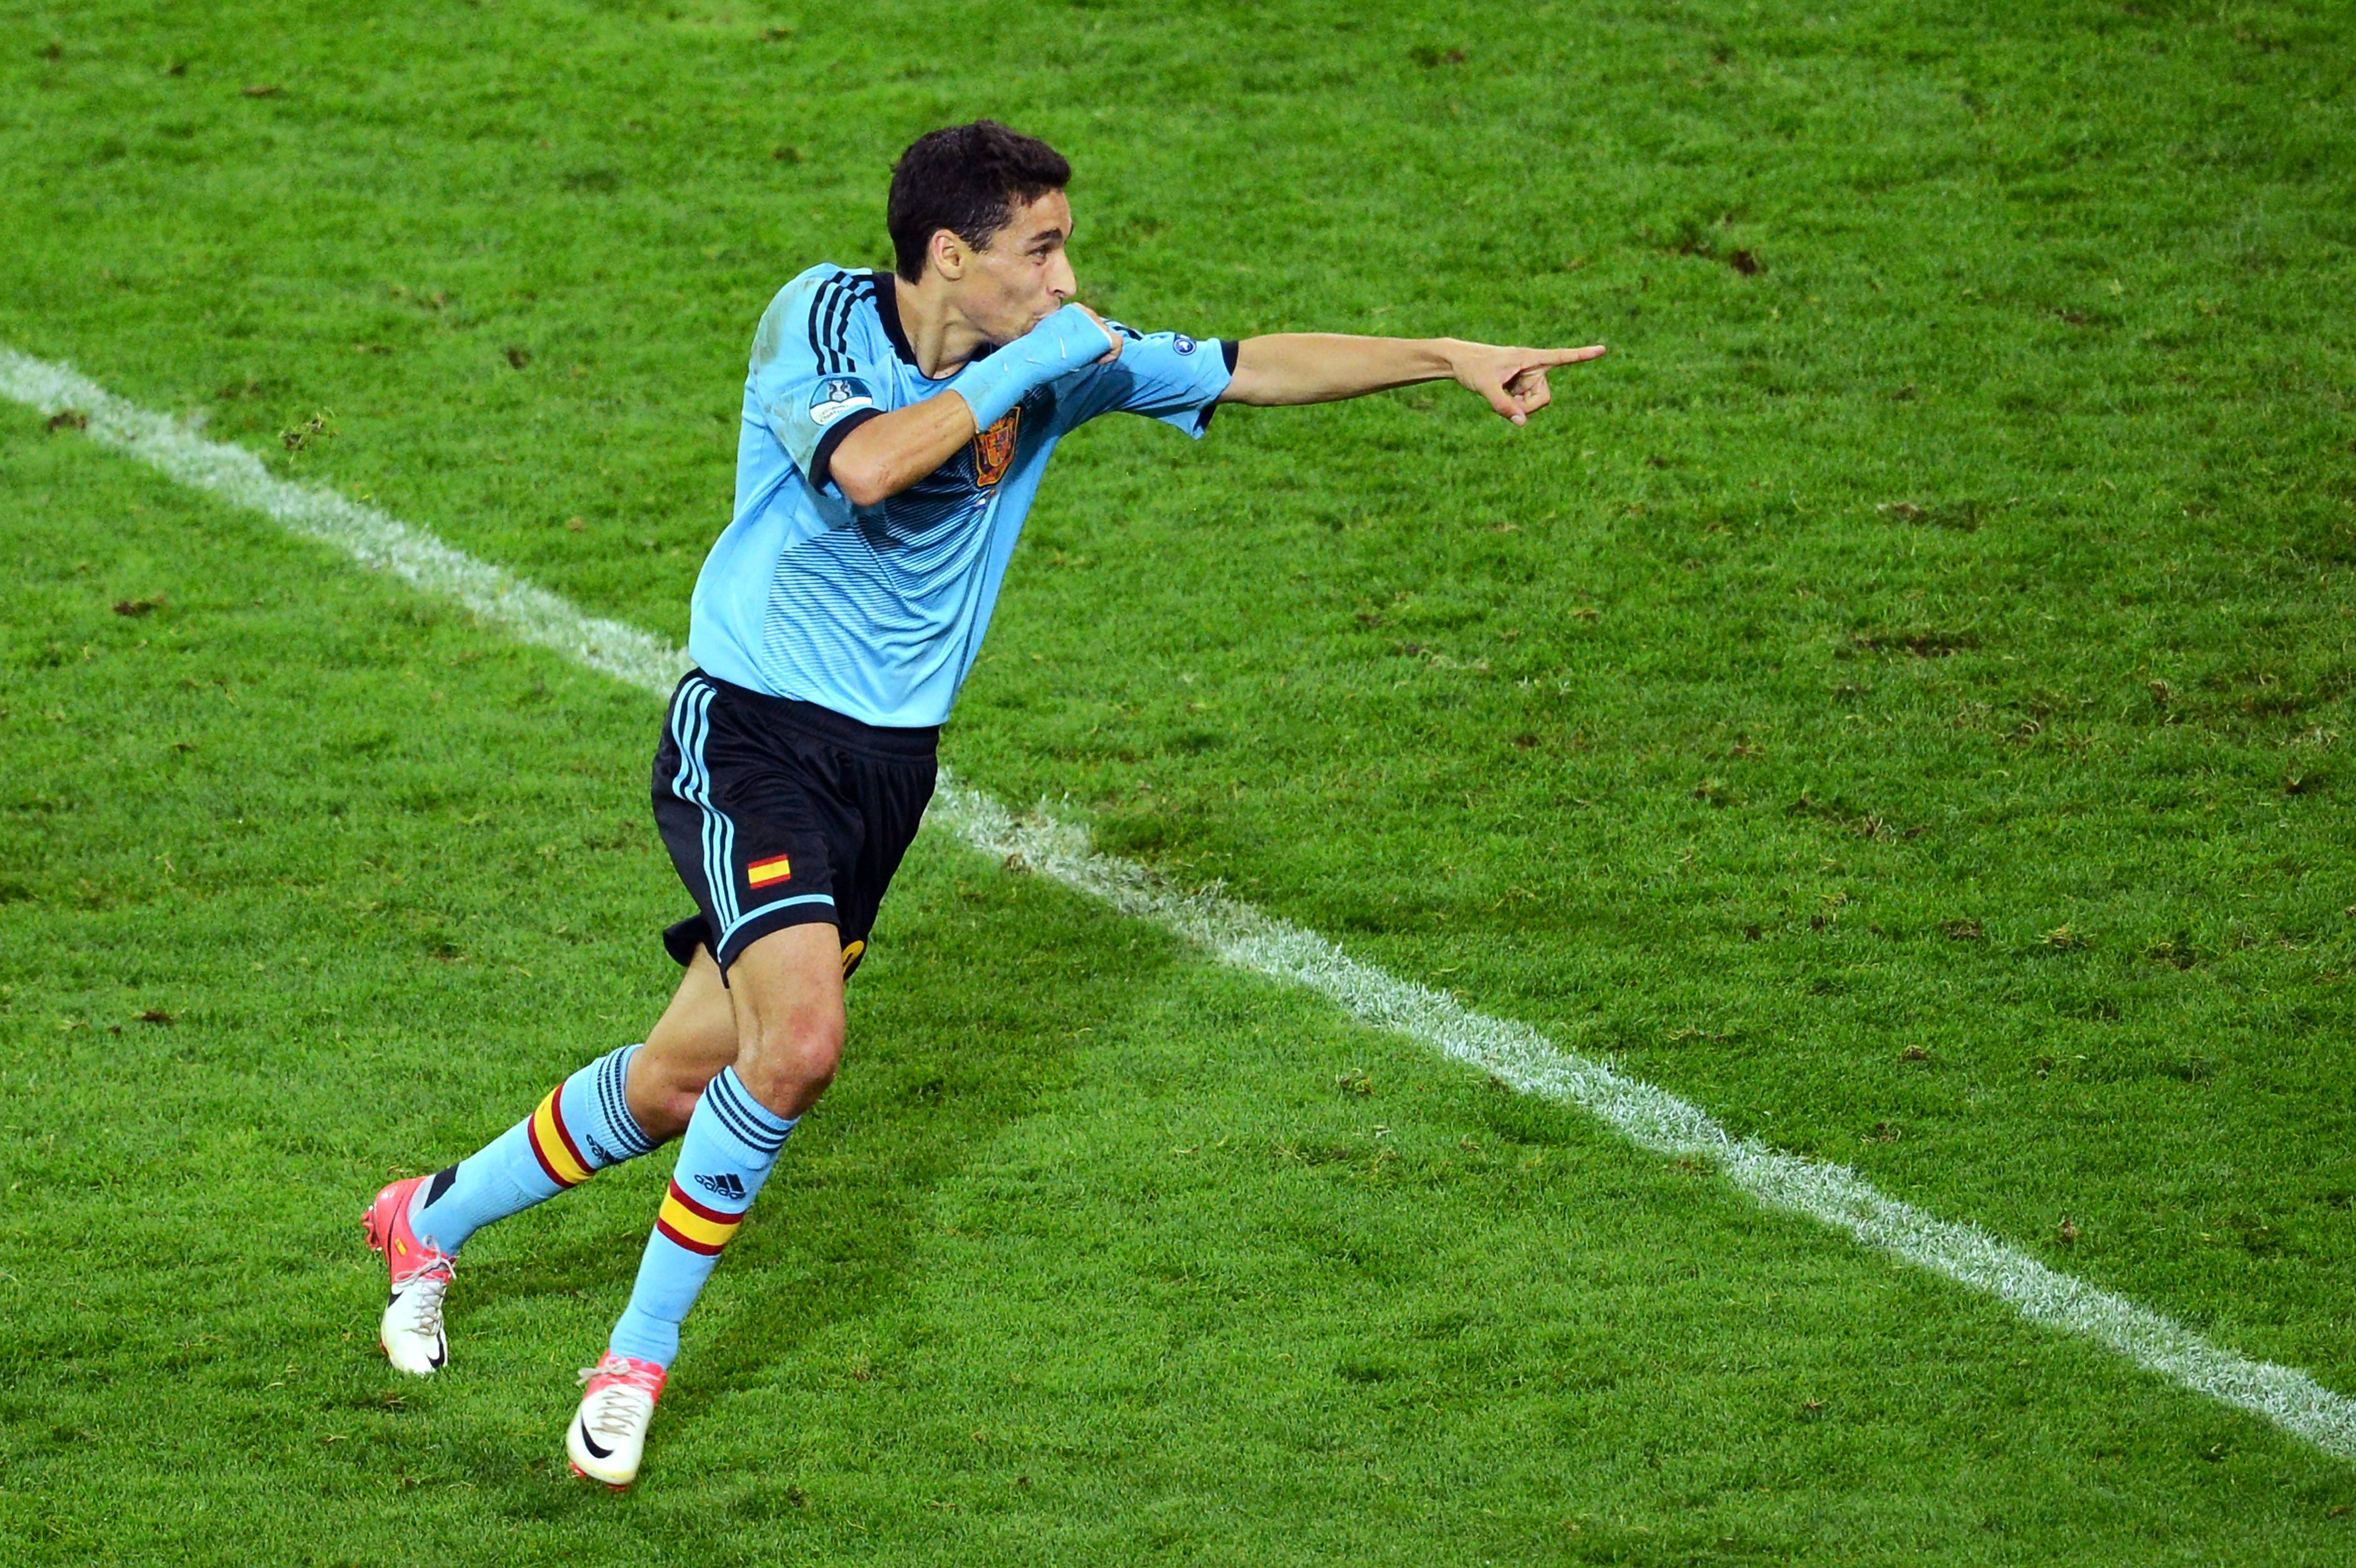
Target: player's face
x,y
1025,276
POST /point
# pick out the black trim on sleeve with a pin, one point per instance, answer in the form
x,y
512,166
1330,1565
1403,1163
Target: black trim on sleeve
x,y
818,344
823,457
1228,347
830,322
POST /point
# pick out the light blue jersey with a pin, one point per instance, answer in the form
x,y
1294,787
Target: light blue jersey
x,y
878,612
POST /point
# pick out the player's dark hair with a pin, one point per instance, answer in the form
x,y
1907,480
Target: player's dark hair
x,y
966,179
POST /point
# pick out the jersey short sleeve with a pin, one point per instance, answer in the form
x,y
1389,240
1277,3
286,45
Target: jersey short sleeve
x,y
816,374
1166,376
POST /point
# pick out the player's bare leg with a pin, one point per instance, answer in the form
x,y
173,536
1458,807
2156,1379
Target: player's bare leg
x,y
786,991
786,997
695,1038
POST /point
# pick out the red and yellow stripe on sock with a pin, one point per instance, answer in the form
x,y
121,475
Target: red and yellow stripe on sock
x,y
551,1142
693,1226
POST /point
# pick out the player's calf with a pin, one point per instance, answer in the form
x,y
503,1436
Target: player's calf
x,y
581,1127
788,999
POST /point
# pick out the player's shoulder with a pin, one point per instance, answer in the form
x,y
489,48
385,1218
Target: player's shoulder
x,y
819,310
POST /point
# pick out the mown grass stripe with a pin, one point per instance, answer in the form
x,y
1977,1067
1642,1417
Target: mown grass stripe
x,y
1516,1054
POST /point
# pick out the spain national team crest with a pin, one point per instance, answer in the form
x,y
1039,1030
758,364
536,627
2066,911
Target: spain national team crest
x,y
993,449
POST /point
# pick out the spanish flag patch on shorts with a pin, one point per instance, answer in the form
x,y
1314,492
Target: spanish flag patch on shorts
x,y
775,869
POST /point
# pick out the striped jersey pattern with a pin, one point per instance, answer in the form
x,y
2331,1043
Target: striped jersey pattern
x,y
829,319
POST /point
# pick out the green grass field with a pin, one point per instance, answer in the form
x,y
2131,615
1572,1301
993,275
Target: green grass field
x,y
1897,702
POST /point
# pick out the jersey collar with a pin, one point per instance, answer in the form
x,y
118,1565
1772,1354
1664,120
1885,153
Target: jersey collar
x,y
887,309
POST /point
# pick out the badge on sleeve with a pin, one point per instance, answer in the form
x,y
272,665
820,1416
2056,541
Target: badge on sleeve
x,y
1181,342
837,396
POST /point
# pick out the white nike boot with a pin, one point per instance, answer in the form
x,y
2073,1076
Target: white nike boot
x,y
419,1277
618,1403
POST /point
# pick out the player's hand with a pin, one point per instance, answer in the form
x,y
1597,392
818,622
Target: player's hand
x,y
1107,331
1515,380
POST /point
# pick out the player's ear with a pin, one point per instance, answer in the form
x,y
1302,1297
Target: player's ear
x,y
948,254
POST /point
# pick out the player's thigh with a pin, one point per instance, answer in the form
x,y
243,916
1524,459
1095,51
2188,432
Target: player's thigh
x,y
787,991
788,981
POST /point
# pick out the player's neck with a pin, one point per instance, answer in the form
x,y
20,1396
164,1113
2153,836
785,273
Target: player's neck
x,y
937,332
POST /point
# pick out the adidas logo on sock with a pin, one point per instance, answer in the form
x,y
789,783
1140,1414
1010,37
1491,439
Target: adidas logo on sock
x,y
728,1185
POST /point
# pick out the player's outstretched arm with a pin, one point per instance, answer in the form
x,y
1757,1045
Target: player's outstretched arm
x,y
1289,367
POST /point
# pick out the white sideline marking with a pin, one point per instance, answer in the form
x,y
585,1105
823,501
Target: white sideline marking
x,y
532,614
1650,1117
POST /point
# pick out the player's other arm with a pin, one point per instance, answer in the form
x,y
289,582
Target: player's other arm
x,y
1289,367
891,451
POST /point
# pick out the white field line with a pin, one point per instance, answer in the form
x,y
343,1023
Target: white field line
x,y
1516,1054
236,476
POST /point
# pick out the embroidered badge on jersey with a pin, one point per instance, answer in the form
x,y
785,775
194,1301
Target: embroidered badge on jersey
x,y
993,449
836,397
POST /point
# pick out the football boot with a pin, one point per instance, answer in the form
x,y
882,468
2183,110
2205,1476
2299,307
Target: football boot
x,y
618,1403
410,1332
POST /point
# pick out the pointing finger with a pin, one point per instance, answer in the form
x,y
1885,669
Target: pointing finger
x,y
1573,356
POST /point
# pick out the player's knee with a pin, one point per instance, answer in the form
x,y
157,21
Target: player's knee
x,y
665,1098
793,1060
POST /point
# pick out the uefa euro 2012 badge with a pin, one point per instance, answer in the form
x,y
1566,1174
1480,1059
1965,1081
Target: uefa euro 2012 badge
x,y
837,396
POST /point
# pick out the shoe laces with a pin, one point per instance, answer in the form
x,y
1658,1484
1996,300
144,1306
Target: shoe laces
x,y
621,1397
421,1290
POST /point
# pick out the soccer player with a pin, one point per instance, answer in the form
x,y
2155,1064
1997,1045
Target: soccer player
x,y
895,427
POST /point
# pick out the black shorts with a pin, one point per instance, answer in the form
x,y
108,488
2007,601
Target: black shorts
x,y
780,813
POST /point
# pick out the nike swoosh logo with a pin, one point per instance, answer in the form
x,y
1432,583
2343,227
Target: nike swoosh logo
x,y
441,1355
591,1443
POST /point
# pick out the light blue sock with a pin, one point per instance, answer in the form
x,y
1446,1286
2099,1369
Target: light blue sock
x,y
724,1156
582,1127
